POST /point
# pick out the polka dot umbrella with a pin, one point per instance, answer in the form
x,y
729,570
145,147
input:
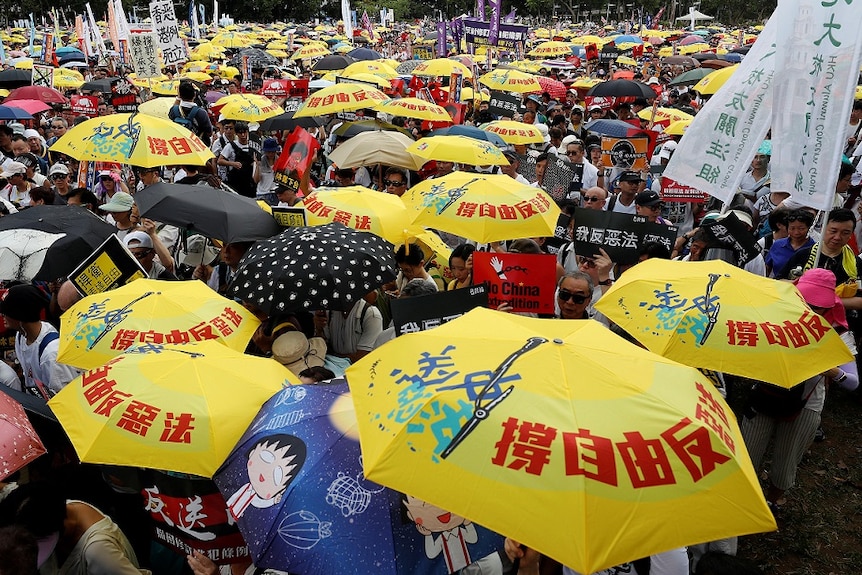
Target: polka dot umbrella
x,y
324,267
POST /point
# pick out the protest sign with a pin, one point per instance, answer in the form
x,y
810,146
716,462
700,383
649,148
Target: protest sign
x,y
730,233
478,32
561,235
504,105
47,48
143,51
85,105
288,217
124,96
524,281
620,235
43,76
427,312
167,31
625,153
672,191
423,53
109,267
292,168
286,88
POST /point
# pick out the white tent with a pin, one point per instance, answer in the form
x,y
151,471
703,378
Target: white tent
x,y
694,15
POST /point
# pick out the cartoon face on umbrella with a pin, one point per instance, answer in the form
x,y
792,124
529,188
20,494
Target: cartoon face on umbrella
x,y
273,463
444,531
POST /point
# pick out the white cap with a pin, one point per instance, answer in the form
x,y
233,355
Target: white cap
x,y
58,169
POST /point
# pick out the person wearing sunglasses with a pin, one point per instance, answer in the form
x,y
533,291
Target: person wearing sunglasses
x,y
574,294
145,247
395,181
59,179
595,198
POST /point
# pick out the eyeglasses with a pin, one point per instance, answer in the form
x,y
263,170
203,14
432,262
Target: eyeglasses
x,y
575,297
59,176
142,255
393,183
590,263
590,199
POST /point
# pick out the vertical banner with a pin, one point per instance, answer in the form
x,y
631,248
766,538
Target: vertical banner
x,y
168,32
347,19
494,30
193,21
215,16
718,146
144,55
94,30
2,54
48,48
817,64
441,39
367,24
480,9
456,81
122,21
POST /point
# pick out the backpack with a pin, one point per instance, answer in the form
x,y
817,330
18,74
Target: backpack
x,y
187,121
240,179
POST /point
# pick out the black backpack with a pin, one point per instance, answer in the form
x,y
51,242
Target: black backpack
x,y
779,402
187,121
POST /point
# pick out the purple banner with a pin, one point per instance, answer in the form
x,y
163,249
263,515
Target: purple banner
x,y
457,27
480,9
494,28
441,39
510,35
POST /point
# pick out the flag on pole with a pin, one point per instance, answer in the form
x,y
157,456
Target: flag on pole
x,y
193,21
347,18
368,25
494,26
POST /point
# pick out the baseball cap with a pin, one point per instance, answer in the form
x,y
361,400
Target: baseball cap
x,y
58,169
652,81
647,197
594,107
120,202
631,176
138,239
28,159
13,168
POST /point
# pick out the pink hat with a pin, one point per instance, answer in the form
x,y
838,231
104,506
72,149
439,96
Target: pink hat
x,y
817,287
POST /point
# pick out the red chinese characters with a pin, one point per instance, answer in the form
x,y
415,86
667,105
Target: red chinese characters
x,y
221,325
809,327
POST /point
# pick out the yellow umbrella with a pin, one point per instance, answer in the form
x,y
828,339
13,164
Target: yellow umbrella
x,y
207,51
551,48
442,67
589,39
516,132
278,45
232,40
719,317
340,98
709,84
4,92
165,87
585,82
482,207
134,139
67,82
493,407
671,114
364,77
174,407
253,98
250,109
100,327
370,67
277,53
677,128
357,207
140,82
196,76
459,149
157,107
310,51
626,61
415,108
858,93
510,81
24,64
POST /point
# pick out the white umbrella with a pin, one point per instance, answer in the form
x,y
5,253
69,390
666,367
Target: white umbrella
x,y
22,252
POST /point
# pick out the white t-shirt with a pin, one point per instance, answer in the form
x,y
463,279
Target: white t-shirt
x,y
44,369
619,208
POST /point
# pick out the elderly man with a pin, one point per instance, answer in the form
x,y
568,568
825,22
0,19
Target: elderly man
x,y
576,154
595,198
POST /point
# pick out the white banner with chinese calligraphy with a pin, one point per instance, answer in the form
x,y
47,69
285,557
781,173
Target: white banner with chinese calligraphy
x,y
145,55
719,144
168,32
817,64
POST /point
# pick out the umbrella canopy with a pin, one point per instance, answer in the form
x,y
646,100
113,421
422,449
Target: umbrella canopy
x,y
309,51
680,61
415,108
211,212
100,327
370,67
615,128
324,267
19,443
516,132
325,510
442,67
259,58
135,139
340,98
13,78
561,414
716,316
13,113
377,147
621,88
43,93
351,129
510,81
667,115
230,39
555,88
157,107
551,49
482,207
677,128
470,132
460,149
286,122
173,407
332,62
380,213
364,54
710,84
690,77
102,85
76,233
407,66
250,109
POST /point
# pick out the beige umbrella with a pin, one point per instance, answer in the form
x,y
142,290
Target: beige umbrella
x,y
377,147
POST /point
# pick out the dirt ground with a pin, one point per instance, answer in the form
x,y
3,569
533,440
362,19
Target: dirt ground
x,y
820,526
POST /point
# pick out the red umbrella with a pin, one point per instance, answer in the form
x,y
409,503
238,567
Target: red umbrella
x,y
624,75
692,39
29,106
47,95
555,88
19,444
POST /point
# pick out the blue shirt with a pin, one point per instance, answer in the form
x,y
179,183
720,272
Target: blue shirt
x,y
781,252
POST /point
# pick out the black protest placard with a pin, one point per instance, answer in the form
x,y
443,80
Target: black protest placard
x,y
124,97
730,233
561,235
109,267
527,165
421,313
503,105
620,235
288,217
560,176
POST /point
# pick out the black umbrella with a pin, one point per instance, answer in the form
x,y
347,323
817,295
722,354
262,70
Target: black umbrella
x,y
333,62
286,122
103,85
350,129
208,211
80,234
323,267
15,78
364,53
619,88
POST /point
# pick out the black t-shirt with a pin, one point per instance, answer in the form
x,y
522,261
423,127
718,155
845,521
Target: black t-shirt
x,y
833,264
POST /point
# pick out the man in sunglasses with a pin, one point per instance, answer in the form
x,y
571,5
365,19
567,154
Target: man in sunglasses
x,y
395,181
574,294
595,198
145,246
59,178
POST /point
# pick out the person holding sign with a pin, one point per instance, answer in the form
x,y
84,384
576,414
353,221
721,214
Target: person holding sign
x,y
145,245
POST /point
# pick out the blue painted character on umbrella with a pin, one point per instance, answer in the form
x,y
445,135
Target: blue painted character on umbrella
x,y
273,463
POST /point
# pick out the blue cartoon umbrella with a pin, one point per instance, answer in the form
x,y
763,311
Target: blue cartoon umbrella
x,y
294,484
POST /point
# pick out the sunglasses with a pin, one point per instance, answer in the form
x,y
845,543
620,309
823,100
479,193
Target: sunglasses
x,y
590,199
58,127
59,176
393,183
586,261
572,153
575,297
106,178
142,255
